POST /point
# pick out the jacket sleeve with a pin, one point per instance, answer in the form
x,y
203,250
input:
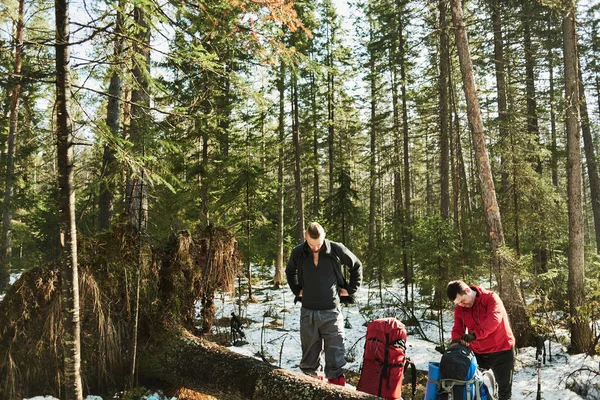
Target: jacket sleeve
x,y
291,272
491,315
354,265
458,329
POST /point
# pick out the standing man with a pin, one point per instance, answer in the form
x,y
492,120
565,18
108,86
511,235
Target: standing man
x,y
489,334
314,273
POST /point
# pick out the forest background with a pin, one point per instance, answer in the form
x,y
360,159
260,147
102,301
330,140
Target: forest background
x,y
262,116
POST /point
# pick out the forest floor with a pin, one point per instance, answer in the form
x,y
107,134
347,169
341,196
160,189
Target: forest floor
x,y
271,327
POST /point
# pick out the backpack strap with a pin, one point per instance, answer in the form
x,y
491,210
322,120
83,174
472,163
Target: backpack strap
x,y
299,261
337,265
413,377
385,367
447,385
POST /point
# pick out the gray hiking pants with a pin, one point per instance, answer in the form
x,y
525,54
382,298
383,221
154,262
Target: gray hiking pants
x,y
322,330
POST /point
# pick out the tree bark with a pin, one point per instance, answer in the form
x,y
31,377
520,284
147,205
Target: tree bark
x,y
297,159
581,337
590,160
501,89
113,122
6,255
137,200
185,360
316,202
443,85
398,206
68,230
541,253
501,261
372,156
407,220
330,114
278,279
445,129
554,156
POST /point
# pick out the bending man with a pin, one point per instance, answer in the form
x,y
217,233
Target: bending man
x,y
489,334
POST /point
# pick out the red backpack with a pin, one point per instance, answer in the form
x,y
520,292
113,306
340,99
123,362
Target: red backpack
x,y
384,359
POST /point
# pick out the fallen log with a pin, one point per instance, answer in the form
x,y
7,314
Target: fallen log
x,y
184,360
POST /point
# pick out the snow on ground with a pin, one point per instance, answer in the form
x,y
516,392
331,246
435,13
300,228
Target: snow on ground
x,y
282,345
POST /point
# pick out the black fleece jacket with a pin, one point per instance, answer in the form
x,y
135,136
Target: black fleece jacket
x,y
322,283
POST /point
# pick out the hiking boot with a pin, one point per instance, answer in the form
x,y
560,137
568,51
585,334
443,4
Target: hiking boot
x,y
340,380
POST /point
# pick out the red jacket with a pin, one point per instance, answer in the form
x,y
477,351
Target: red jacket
x,y
488,320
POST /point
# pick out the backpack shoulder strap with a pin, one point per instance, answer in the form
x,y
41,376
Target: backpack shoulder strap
x,y
338,264
413,375
299,259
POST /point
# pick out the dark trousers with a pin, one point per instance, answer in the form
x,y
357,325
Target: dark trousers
x,y
502,363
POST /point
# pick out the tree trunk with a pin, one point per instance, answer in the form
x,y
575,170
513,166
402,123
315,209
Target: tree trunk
x,y
204,182
443,85
297,161
532,116
113,118
541,253
445,128
137,201
316,206
596,52
501,90
68,231
407,221
372,157
554,156
501,261
590,160
185,360
278,279
5,261
581,337
397,156
330,118
499,64
463,202
248,230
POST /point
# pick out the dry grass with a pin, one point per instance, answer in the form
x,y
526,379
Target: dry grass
x,y
188,394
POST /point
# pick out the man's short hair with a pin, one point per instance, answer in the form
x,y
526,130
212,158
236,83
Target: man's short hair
x,y
315,230
455,288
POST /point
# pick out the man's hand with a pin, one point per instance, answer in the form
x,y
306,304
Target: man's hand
x,y
345,297
467,337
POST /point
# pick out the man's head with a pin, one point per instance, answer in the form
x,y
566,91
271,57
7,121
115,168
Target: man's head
x,y
315,236
461,294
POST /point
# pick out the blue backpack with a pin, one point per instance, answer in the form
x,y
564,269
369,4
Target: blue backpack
x,y
460,377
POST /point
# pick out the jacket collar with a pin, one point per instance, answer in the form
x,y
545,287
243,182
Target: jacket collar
x,y
326,248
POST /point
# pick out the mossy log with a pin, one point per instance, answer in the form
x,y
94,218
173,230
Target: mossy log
x,y
184,360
